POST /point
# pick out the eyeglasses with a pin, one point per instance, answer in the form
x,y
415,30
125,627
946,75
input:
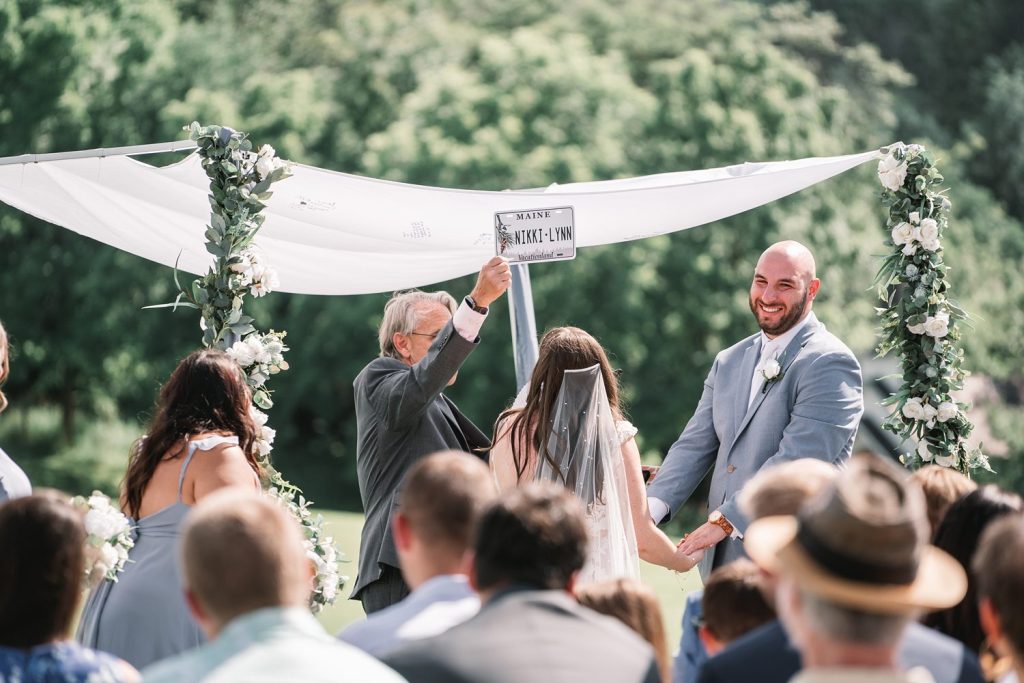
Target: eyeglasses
x,y
432,335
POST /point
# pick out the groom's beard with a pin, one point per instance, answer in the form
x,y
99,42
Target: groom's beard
x,y
790,316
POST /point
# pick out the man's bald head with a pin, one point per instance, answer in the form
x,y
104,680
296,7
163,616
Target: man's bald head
x,y
792,255
785,284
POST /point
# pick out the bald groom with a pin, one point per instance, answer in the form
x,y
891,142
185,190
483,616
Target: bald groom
x,y
793,390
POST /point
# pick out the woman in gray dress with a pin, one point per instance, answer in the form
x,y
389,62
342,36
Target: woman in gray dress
x,y
202,438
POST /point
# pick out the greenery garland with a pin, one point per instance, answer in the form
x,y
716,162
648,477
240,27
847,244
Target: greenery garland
x,y
919,322
240,181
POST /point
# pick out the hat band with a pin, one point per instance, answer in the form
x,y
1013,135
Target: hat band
x,y
850,567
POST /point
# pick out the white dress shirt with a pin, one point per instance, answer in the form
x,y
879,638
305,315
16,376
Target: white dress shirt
x,y
468,322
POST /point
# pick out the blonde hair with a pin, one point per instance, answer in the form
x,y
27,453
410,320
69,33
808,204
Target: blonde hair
x,y
402,314
782,489
241,551
4,366
636,606
942,487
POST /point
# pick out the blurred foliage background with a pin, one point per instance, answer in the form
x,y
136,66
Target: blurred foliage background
x,y
494,95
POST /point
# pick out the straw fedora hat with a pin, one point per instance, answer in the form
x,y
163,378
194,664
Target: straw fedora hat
x,y
861,544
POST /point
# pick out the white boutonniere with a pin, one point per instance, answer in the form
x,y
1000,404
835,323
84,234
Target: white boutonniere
x,y
772,372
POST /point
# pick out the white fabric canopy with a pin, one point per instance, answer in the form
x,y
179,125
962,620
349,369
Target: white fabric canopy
x,y
334,233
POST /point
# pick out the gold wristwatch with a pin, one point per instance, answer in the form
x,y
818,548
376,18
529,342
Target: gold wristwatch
x,y
719,520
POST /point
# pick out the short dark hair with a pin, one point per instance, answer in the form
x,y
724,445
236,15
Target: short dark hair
x,y
734,601
999,568
958,534
535,535
42,538
442,497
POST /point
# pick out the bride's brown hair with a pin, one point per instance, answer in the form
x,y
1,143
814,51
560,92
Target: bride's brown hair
x,y
205,393
561,349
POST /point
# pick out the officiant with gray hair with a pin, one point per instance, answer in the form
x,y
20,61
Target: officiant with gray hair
x,y
403,415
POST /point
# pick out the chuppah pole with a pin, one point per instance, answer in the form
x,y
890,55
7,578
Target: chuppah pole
x,y
524,326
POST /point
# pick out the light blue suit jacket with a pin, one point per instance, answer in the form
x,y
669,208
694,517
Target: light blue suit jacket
x,y
811,411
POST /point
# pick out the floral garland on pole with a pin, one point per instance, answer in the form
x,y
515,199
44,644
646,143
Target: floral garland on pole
x,y
240,181
919,322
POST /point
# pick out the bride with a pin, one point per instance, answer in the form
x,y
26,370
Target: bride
x,y
567,426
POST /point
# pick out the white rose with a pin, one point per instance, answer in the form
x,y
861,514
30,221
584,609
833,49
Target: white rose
x,y
265,166
937,326
109,555
266,283
947,411
263,447
267,151
242,354
770,369
101,524
913,409
258,416
268,434
929,230
257,379
951,460
259,352
914,217
923,452
892,173
930,245
916,329
929,412
914,150
902,233
909,249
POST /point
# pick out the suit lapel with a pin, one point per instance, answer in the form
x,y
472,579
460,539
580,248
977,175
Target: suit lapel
x,y
786,359
742,387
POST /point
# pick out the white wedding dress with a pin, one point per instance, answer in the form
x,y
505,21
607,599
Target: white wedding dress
x,y
585,445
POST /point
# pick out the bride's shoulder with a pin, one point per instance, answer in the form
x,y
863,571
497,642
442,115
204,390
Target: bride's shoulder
x,y
625,430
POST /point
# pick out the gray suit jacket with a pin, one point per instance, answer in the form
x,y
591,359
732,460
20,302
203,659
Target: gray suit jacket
x,y
811,411
401,416
525,635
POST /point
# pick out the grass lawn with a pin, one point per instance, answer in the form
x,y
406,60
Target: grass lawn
x,y
670,587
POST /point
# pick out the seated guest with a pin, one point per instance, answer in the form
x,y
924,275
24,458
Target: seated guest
x,y
779,490
734,604
528,549
636,606
41,569
958,534
13,482
854,570
766,654
942,487
441,498
999,574
248,582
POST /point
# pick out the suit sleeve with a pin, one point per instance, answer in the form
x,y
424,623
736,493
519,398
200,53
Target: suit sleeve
x,y
401,395
826,413
692,455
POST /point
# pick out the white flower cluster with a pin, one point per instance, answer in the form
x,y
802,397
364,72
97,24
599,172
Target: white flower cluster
x,y
320,549
260,355
327,576
933,325
892,171
251,270
919,409
916,232
267,162
108,538
265,442
927,455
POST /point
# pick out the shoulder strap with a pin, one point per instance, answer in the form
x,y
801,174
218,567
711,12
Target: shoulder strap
x,y
207,444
